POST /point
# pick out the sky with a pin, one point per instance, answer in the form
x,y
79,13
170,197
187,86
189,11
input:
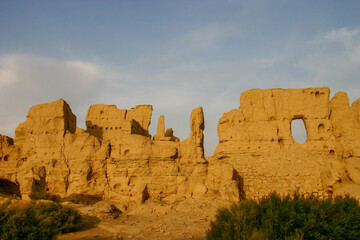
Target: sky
x,y
174,55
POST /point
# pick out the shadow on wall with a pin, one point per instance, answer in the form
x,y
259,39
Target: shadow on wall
x,y
94,130
239,180
83,199
108,132
9,188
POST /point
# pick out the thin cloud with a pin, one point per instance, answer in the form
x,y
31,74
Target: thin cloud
x,y
336,66
345,36
88,70
175,84
206,37
7,71
27,80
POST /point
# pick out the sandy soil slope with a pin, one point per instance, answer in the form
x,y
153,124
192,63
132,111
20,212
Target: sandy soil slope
x,y
152,220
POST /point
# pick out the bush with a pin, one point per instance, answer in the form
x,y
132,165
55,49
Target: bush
x,y
44,196
41,220
290,217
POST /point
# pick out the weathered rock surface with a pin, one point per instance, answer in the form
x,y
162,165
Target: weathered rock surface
x,y
106,121
115,158
256,139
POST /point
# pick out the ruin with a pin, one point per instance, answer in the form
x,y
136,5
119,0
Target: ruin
x,y
256,139
115,157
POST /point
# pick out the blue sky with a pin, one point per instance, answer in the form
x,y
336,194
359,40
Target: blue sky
x,y
175,55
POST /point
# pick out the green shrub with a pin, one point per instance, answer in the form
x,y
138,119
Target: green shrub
x,y
290,218
33,220
44,196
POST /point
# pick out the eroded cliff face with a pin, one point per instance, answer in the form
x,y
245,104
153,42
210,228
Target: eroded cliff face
x,y
116,158
256,139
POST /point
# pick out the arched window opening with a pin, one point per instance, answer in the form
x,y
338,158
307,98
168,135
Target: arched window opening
x,y
298,131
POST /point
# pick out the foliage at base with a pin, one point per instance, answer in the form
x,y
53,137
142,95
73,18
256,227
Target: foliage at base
x,y
24,220
43,196
291,217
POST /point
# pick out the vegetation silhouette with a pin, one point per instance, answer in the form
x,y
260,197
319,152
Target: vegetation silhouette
x,y
290,217
36,220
